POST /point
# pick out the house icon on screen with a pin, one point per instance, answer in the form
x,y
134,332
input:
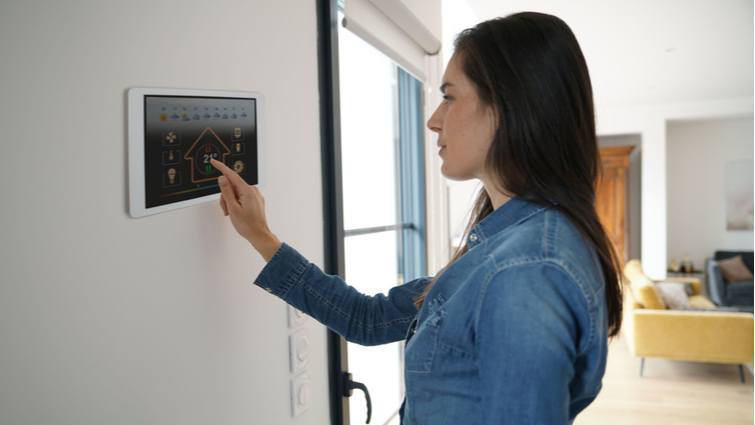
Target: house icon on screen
x,y
207,146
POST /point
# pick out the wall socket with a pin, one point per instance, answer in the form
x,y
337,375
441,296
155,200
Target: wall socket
x,y
300,394
298,343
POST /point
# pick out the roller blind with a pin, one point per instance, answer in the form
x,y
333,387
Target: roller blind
x,y
405,30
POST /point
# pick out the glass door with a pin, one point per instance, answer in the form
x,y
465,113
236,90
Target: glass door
x,y
383,204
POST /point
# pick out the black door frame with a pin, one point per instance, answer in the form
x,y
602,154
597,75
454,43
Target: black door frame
x,y
330,144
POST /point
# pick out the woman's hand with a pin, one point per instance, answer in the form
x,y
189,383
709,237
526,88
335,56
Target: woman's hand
x,y
246,206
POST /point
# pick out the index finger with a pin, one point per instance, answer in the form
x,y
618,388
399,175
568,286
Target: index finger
x,y
236,181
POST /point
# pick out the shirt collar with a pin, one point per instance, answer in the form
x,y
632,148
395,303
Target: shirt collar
x,y
511,212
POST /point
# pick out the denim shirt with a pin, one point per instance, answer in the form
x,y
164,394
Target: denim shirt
x,y
514,332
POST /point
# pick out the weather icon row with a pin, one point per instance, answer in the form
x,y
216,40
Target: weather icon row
x,y
184,116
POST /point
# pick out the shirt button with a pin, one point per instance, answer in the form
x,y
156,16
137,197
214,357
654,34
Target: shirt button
x,y
473,237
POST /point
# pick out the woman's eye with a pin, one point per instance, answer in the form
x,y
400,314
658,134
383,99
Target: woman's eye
x,y
446,97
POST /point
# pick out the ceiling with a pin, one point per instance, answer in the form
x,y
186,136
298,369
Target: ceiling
x,y
649,52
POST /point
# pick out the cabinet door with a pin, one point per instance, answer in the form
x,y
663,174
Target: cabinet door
x,y
611,196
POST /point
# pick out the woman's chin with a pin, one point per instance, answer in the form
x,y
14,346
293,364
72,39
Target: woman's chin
x,y
444,170
451,175
448,174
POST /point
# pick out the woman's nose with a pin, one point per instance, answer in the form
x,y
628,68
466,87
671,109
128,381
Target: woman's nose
x,y
433,123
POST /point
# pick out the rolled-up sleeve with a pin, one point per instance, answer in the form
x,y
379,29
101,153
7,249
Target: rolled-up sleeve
x,y
360,318
527,332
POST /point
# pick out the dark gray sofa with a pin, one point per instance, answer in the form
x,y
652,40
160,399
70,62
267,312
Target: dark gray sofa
x,y
732,293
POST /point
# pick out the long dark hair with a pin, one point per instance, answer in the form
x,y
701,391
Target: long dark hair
x,y
530,69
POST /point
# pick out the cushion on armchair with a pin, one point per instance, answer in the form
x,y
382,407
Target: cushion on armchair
x,y
673,294
747,257
722,289
735,270
677,296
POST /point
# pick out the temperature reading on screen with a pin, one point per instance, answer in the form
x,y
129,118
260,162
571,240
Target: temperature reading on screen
x,y
208,157
208,151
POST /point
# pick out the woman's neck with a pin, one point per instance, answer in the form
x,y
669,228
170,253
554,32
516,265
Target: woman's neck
x,y
497,198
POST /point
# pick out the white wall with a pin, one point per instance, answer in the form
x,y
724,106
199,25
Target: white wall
x,y
698,153
105,319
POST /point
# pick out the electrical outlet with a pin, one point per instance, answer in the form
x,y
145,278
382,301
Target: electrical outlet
x,y
298,343
300,394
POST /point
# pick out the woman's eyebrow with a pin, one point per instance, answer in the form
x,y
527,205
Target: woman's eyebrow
x,y
444,85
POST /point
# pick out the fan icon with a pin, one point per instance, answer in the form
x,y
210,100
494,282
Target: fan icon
x,y
170,137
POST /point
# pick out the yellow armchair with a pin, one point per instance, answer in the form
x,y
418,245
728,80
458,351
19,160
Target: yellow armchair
x,y
689,335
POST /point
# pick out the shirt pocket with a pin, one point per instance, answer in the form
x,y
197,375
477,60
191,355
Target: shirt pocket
x,y
422,343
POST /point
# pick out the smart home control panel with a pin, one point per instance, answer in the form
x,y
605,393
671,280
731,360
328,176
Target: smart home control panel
x,y
174,133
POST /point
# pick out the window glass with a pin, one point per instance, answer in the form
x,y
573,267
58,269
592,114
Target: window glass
x,y
368,154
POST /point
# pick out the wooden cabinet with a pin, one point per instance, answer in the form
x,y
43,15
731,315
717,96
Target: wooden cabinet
x,y
612,196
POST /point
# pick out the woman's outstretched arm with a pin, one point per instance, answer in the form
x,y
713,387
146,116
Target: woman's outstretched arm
x,y
362,319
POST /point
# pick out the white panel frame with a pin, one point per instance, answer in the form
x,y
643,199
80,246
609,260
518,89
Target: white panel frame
x,y
136,95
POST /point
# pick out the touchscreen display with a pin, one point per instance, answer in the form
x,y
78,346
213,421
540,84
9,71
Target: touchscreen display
x,y
182,134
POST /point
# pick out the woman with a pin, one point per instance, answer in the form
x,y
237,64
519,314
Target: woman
x,y
514,329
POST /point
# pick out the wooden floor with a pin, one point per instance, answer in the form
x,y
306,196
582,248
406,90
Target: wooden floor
x,y
669,393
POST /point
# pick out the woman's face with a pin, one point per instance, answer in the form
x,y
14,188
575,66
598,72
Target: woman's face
x,y
464,125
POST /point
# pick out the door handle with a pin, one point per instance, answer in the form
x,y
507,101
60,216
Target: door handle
x,y
348,390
